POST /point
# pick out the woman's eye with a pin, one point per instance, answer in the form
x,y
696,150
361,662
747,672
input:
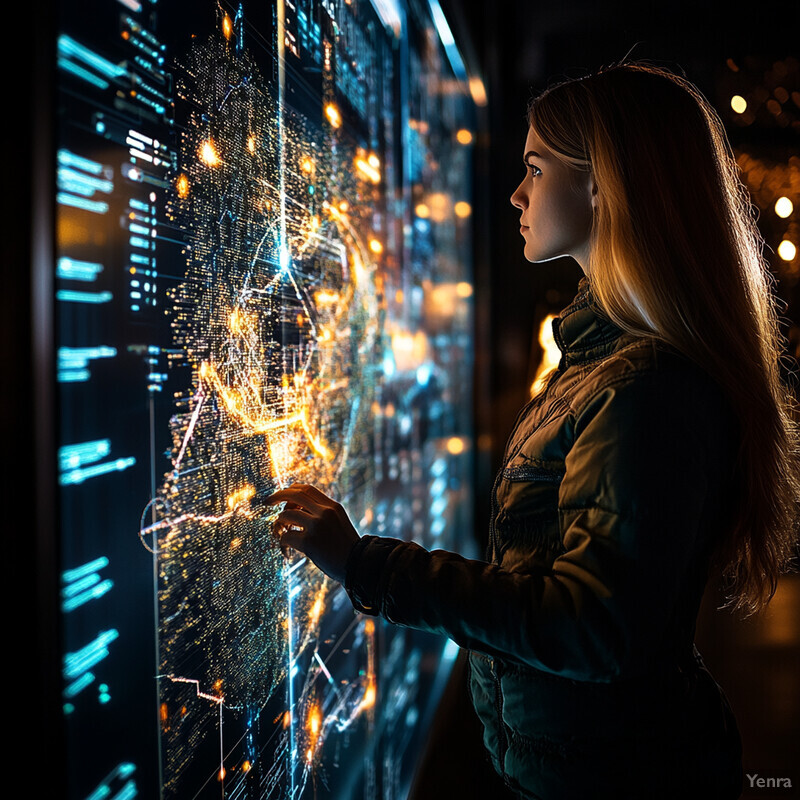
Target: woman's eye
x,y
534,170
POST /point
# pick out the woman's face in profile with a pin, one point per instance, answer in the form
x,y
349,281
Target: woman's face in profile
x,y
555,203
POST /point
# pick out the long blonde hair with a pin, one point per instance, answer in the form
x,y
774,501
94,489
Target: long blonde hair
x,y
676,255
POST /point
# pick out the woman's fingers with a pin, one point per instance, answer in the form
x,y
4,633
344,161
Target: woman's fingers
x,y
292,525
299,494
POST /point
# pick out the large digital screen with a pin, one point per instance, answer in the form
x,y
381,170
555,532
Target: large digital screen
x,y
263,276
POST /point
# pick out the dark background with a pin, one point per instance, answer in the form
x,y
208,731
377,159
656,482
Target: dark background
x,y
517,48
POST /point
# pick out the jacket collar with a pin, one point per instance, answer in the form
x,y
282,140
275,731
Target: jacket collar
x,y
582,330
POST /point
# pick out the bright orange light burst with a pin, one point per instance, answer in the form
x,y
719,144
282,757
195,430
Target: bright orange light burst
x,y
332,113
182,185
208,154
464,289
464,136
455,445
227,26
369,694
375,246
240,496
251,144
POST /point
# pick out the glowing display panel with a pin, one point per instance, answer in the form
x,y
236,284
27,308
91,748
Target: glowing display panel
x,y
263,277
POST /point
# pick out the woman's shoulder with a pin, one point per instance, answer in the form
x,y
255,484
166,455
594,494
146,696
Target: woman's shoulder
x,y
652,368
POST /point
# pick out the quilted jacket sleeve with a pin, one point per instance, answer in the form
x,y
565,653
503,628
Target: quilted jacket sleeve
x,y
631,505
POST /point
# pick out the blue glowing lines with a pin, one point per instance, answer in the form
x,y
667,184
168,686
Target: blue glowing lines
x,y
72,270
73,362
73,458
77,686
73,296
76,664
390,16
83,584
117,785
79,179
74,57
95,206
448,42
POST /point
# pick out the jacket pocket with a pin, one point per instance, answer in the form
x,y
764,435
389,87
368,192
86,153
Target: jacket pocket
x,y
527,524
532,472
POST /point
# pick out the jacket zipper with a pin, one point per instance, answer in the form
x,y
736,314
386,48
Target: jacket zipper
x,y
501,725
493,665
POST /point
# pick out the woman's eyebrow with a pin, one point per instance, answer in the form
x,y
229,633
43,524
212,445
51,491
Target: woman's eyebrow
x,y
531,153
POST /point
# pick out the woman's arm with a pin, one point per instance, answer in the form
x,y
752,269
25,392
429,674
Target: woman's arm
x,y
631,513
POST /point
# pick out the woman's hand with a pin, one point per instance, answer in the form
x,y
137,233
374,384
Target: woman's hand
x,y
315,525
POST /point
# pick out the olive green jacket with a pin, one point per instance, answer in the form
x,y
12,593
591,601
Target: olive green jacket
x,y
580,624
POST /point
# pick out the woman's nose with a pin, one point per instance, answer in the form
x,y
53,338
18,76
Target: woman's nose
x,y
516,199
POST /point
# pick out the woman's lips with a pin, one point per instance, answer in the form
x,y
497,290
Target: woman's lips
x,y
523,228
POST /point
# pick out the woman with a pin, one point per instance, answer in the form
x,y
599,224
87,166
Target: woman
x,y
662,447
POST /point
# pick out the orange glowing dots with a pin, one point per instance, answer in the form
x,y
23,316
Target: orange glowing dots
x,y
132,270
287,719
204,369
246,766
389,410
783,207
464,289
208,154
218,684
221,774
301,320
462,209
236,543
182,186
455,445
422,211
398,296
332,114
343,205
464,136
125,35
369,627
227,27
375,246
251,144
307,165
373,161
164,713
376,408
738,104
787,250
